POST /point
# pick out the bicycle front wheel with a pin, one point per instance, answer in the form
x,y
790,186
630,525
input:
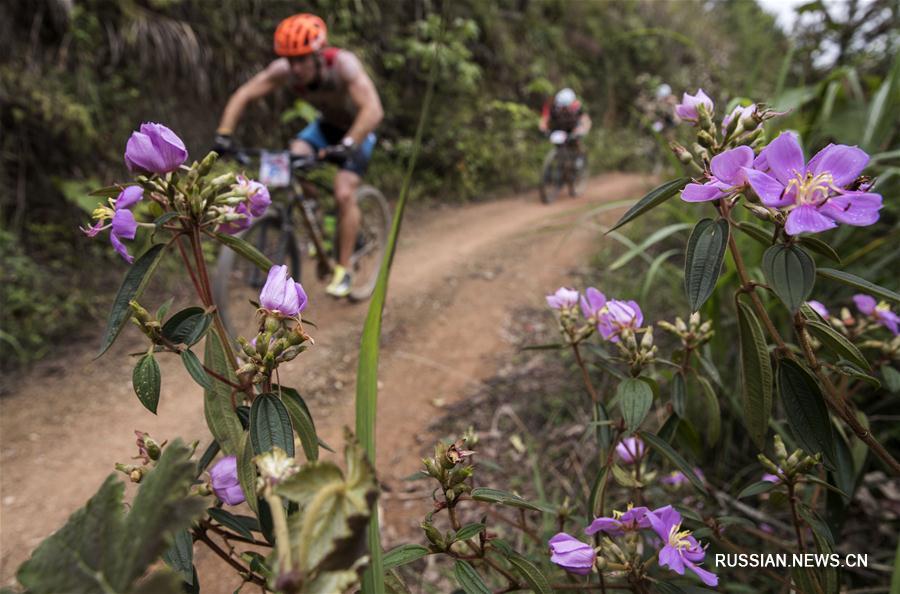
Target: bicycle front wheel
x,y
371,241
579,174
551,177
238,281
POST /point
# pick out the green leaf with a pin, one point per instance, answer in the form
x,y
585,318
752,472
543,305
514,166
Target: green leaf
x,y
330,528
635,398
653,199
469,579
756,488
468,531
536,580
303,485
404,554
195,368
650,241
674,457
504,498
820,247
246,250
756,232
180,556
187,326
146,380
858,283
891,379
834,341
814,479
103,548
301,419
679,394
164,218
221,418
791,273
246,470
805,408
849,369
133,285
756,375
703,411
230,521
703,260
270,425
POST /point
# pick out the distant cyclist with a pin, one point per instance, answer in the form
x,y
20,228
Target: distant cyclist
x,y
335,82
565,113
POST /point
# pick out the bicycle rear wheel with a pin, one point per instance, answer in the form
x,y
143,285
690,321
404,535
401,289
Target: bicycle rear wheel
x,y
551,176
371,241
238,281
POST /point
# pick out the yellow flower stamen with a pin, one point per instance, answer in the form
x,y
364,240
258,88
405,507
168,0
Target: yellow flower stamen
x,y
812,189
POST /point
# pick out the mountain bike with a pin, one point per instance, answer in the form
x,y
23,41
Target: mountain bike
x,y
564,166
278,235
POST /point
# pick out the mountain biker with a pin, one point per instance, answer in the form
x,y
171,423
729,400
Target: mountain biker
x,y
566,113
334,81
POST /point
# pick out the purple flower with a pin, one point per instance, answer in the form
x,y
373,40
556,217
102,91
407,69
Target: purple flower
x,y
571,554
770,478
563,298
687,110
258,197
592,303
818,307
237,225
633,519
223,478
154,149
813,193
281,295
880,311
631,450
680,549
123,225
618,316
727,176
676,478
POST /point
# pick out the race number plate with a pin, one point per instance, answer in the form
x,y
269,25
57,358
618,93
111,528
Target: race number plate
x,y
275,169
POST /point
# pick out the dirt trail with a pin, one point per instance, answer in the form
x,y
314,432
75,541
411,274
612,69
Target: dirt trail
x,y
458,273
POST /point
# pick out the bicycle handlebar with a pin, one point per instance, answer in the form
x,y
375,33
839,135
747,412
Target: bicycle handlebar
x,y
332,154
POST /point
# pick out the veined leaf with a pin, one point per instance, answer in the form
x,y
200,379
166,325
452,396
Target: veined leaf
x,y
858,283
180,556
468,531
246,250
791,273
133,285
654,238
635,398
653,199
187,326
302,421
703,260
756,232
837,343
756,489
756,375
505,498
469,579
232,522
246,470
195,368
146,381
536,580
221,418
820,247
270,425
404,554
805,407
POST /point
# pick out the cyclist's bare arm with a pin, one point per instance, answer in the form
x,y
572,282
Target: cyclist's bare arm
x,y
584,125
274,76
364,95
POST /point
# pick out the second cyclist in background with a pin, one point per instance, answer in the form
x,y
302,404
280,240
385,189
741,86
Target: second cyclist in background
x,y
334,81
566,114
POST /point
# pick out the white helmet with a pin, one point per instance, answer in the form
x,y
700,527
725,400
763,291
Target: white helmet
x,y
564,98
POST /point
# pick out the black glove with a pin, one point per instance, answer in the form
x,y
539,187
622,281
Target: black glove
x,y
223,144
337,154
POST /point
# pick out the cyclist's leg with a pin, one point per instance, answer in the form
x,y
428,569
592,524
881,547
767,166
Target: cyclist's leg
x,y
346,183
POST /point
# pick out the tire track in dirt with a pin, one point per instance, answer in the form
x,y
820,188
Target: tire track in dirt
x,y
459,271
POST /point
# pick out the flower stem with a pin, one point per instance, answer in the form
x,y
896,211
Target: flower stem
x,y
792,499
282,536
585,376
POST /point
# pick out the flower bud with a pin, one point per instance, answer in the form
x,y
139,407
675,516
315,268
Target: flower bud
x,y
647,340
780,450
768,464
206,164
433,535
272,325
600,562
706,139
136,475
459,474
432,468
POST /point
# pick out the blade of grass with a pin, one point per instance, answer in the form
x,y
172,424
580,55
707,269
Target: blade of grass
x,y
367,372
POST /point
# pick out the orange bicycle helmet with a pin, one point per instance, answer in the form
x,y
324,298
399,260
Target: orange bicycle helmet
x,y
299,35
